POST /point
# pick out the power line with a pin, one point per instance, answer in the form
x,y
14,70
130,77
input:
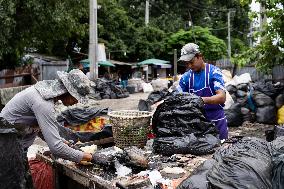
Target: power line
x,y
218,28
165,12
197,6
192,26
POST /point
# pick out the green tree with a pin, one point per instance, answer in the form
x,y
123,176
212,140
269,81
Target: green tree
x,y
270,50
211,47
44,25
171,16
149,43
115,29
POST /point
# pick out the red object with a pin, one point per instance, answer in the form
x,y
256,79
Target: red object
x,y
151,135
42,175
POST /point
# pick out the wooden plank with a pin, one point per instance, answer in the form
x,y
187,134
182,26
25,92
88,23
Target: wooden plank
x,y
15,75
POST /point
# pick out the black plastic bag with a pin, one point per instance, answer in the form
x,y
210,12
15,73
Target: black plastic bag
x,y
186,145
91,136
180,115
108,89
243,87
106,157
242,101
12,161
241,93
261,99
277,152
278,131
247,115
155,96
231,89
80,114
266,115
198,179
144,105
234,97
234,115
279,100
268,88
245,164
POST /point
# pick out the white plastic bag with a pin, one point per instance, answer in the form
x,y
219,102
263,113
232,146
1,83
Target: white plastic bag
x,y
229,101
147,87
159,84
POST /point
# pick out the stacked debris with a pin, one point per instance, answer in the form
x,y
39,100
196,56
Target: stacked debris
x,y
181,127
254,102
249,163
106,89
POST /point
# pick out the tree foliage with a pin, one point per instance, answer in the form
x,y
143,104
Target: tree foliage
x,y
46,25
55,27
270,50
212,47
171,16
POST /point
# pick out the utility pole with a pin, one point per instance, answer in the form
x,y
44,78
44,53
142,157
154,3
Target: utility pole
x,y
93,39
175,65
147,13
250,35
262,17
229,34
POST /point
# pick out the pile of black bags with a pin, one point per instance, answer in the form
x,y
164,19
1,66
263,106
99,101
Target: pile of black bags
x,y
249,163
254,102
107,89
181,127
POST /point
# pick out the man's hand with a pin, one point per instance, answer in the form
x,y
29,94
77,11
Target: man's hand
x,y
87,157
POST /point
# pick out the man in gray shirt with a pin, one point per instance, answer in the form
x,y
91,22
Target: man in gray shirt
x,y
32,110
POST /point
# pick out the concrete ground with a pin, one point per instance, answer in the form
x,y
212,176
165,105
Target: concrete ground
x,y
129,103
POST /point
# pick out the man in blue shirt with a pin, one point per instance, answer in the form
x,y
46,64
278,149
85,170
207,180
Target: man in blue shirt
x,y
206,81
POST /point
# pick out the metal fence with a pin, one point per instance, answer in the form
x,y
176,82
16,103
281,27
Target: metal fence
x,y
277,71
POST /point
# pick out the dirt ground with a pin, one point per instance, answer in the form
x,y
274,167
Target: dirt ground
x,y
129,103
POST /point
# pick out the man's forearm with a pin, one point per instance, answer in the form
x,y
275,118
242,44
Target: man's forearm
x,y
219,98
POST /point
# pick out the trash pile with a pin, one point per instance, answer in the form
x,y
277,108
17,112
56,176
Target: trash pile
x,y
181,127
106,89
248,163
254,103
133,167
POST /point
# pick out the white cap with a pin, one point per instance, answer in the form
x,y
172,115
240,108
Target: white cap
x,y
188,51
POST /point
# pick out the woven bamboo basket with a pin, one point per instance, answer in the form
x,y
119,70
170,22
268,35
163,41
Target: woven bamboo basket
x,y
130,127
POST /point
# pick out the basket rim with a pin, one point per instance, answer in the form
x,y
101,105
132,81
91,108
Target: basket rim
x,y
147,114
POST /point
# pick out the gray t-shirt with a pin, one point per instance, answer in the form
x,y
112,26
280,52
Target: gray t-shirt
x,y
29,110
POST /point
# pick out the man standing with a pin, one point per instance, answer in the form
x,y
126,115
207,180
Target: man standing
x,y
206,81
